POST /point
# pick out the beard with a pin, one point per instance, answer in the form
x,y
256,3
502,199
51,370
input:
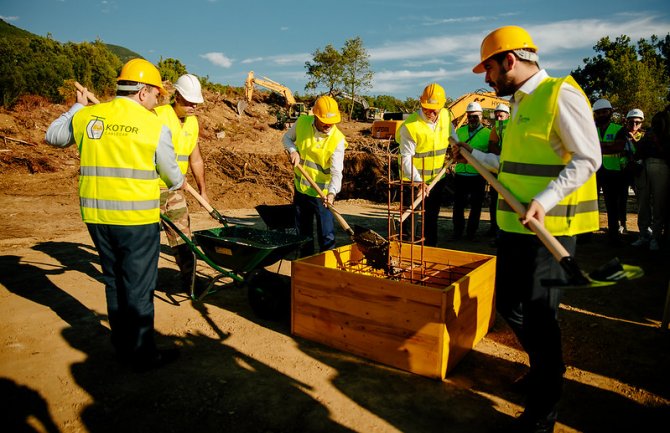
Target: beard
x,y
503,86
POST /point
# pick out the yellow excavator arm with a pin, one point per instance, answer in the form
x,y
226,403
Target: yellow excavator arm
x,y
488,100
269,84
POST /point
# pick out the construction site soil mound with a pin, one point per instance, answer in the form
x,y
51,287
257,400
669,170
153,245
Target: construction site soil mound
x,y
241,373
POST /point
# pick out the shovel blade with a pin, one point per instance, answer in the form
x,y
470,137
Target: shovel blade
x,y
374,246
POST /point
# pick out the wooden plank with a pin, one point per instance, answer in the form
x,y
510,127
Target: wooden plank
x,y
425,330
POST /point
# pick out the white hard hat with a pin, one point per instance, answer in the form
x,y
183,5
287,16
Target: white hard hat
x,y
635,112
502,107
601,104
473,106
188,87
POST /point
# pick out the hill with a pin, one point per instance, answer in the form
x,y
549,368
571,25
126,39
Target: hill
x,y
244,157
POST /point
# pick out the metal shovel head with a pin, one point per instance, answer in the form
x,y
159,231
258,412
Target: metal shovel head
x,y
374,246
606,275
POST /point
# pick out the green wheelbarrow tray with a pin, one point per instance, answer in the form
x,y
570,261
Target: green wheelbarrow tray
x,y
235,251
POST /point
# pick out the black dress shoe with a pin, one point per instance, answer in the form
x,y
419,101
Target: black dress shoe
x,y
527,423
155,359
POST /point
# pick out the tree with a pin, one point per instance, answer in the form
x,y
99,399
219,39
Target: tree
x,y
356,74
171,69
629,76
325,70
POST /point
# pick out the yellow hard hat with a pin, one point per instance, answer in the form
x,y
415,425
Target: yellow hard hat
x,y
504,39
433,97
142,71
325,108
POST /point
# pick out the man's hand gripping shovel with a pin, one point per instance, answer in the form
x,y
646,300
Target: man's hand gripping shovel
x,y
605,275
373,246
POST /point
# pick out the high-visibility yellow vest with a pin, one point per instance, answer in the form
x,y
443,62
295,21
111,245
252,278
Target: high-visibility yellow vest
x,y
528,164
500,126
479,141
611,161
118,182
184,135
431,145
315,155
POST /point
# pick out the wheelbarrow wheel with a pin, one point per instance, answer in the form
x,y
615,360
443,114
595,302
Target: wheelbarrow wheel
x,y
269,294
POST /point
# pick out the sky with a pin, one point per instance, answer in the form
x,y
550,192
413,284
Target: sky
x,y
410,44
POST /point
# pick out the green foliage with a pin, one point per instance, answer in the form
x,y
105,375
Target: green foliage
x,y
171,69
123,53
357,75
628,75
326,70
33,65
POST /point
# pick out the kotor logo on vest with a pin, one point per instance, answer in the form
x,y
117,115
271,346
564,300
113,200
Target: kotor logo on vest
x,y
95,128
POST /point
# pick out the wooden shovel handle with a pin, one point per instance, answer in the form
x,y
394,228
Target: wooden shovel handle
x,y
336,214
435,180
199,198
91,97
549,241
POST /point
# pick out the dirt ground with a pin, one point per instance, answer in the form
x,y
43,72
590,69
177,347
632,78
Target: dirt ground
x,y
240,373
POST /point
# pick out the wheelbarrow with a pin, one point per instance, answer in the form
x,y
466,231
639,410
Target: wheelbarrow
x,y
241,254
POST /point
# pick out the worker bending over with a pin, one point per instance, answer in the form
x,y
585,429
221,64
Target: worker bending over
x,y
318,146
180,117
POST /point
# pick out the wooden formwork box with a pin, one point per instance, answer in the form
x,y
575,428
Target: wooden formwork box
x,y
413,327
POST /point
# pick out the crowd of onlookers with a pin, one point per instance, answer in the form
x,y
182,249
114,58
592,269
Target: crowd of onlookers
x,y
635,163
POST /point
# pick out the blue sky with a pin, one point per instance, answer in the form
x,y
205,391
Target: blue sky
x,y
410,43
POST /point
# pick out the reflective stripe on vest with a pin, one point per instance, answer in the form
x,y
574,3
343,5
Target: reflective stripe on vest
x,y
184,135
315,155
431,145
479,141
611,161
118,183
527,136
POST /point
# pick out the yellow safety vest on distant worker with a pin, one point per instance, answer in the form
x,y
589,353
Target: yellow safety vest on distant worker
x,y
431,145
501,126
184,136
479,141
315,155
528,164
118,182
611,161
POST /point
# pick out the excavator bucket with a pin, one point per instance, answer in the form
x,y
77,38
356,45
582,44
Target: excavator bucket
x,y
241,106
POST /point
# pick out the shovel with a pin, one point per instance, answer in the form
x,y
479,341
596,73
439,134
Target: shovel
x,y
373,246
605,275
91,97
215,213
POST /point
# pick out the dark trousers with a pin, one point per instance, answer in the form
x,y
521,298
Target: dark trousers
x,y
432,204
531,310
493,206
129,260
615,191
469,189
306,209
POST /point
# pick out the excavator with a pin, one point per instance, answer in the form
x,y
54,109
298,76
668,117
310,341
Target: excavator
x,y
488,101
370,113
293,108
385,129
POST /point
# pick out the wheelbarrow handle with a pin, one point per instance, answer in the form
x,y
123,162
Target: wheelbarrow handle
x,y
336,214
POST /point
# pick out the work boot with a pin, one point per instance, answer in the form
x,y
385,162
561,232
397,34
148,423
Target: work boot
x,y
185,259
